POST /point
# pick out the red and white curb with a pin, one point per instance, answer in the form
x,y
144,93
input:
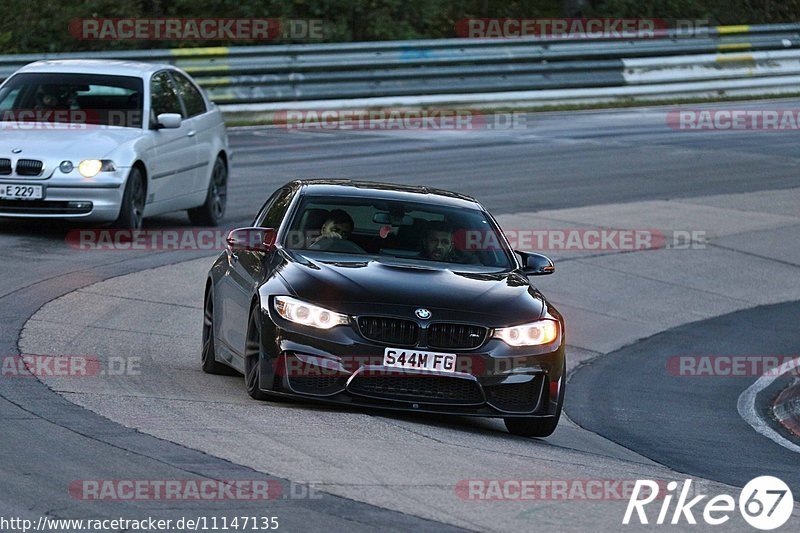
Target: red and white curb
x,y
786,408
747,405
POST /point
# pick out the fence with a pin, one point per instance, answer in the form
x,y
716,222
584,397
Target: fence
x,y
723,60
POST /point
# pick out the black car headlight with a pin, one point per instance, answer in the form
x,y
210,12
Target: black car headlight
x,y
307,314
532,334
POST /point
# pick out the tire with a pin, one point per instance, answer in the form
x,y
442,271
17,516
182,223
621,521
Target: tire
x,y
131,211
213,210
538,427
210,364
252,357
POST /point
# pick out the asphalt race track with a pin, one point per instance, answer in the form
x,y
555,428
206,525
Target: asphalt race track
x,y
627,313
631,412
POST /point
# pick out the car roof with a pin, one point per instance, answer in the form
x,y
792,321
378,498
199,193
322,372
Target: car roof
x,y
111,67
386,191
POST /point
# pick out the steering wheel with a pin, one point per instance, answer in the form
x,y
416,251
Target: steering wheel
x,y
326,244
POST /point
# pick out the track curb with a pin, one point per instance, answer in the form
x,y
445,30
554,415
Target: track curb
x,y
786,408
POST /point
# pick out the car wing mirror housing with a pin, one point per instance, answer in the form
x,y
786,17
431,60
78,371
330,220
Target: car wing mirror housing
x,y
252,240
168,121
534,264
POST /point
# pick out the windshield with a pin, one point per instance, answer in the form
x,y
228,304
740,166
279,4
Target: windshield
x,y
403,230
73,98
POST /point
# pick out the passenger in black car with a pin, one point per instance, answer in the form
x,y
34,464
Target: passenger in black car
x,y
438,245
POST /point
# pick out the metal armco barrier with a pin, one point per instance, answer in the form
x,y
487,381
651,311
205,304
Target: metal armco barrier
x,y
488,72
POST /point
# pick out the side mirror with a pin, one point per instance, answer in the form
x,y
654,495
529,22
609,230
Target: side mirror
x,y
168,121
252,240
534,264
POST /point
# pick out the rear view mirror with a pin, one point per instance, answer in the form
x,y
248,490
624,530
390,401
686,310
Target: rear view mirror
x,y
388,219
534,264
252,240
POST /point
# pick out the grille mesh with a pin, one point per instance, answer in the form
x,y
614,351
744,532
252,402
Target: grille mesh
x,y
316,384
455,336
43,207
516,397
432,389
29,167
389,330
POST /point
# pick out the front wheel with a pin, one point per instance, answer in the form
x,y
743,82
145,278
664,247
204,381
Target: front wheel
x,y
213,209
532,427
131,211
252,357
210,364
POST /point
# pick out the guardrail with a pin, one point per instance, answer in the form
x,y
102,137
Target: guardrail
x,y
487,72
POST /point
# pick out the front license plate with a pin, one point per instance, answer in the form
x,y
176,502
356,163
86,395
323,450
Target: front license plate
x,y
416,360
21,192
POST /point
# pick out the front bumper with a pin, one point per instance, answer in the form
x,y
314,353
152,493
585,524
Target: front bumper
x,y
92,200
340,366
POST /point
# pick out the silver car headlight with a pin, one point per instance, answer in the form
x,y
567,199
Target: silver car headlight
x,y
90,168
304,313
532,334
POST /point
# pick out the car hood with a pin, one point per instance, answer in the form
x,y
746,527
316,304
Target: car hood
x,y
378,285
59,142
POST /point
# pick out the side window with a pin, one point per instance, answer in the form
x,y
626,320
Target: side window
x,y
8,99
163,96
192,99
273,214
264,208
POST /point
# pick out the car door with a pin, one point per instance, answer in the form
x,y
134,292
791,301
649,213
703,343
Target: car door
x,y
244,273
205,125
175,163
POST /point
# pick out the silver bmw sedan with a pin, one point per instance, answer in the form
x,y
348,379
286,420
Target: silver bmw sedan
x,y
110,141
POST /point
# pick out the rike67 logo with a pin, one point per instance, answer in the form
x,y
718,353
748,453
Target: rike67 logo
x,y
765,503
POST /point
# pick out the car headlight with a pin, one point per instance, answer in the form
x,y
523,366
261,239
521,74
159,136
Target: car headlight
x,y
304,313
66,167
90,168
533,334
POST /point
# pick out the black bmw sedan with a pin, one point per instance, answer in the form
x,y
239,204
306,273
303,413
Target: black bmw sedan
x,y
386,296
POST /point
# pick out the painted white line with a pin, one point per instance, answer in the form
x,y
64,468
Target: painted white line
x,y
747,405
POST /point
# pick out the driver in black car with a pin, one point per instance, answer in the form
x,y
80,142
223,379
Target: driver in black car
x,y
335,234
